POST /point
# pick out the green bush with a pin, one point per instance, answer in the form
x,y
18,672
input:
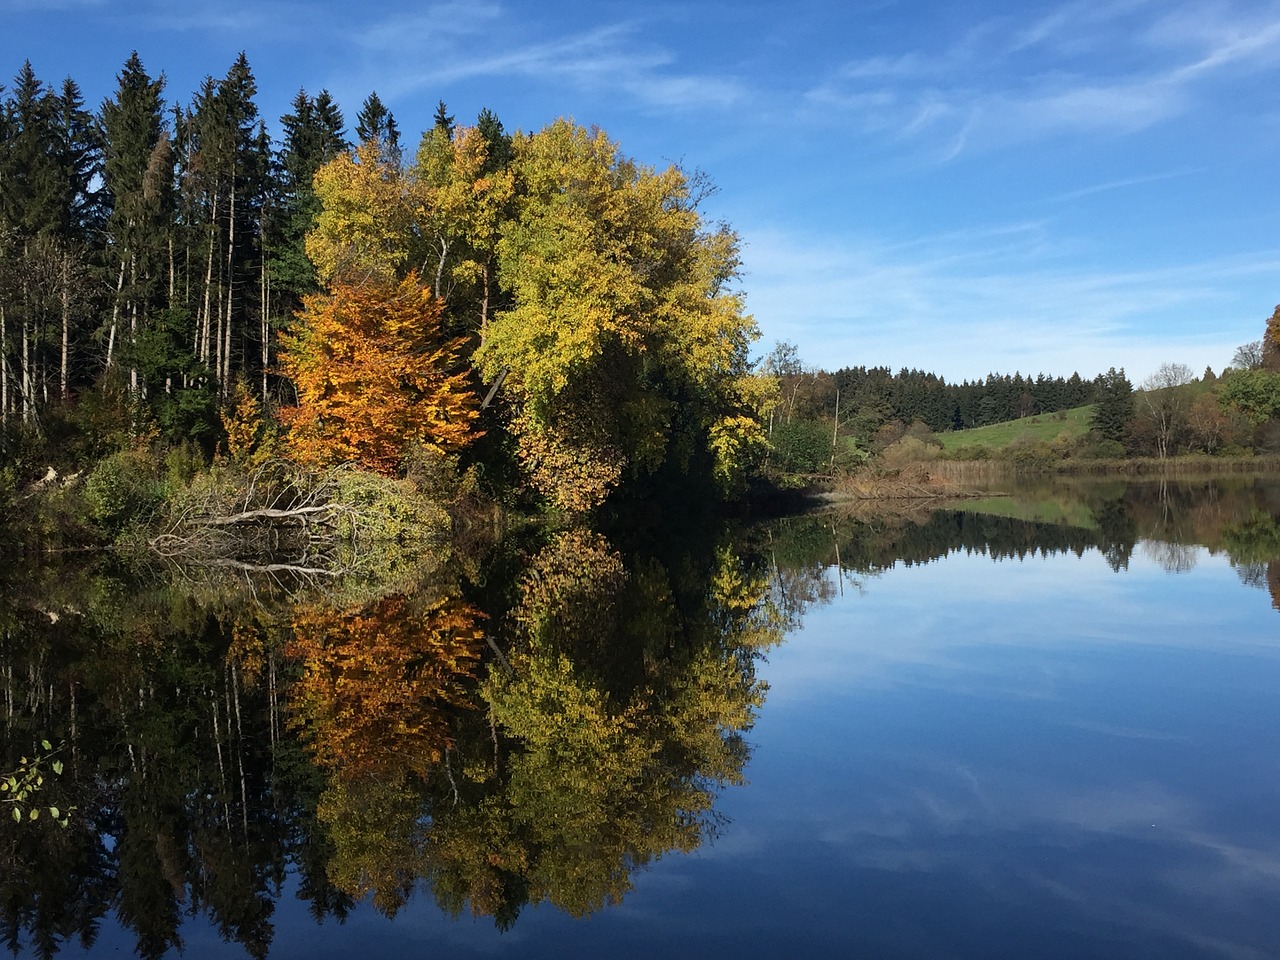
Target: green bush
x,y
908,450
1029,456
971,451
1099,448
801,446
122,489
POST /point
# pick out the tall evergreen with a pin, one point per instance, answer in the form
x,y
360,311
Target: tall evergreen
x,y
1114,405
30,200
499,141
443,120
314,133
137,175
375,123
78,146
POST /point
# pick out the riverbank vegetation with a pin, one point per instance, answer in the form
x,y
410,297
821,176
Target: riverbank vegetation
x,y
533,319
872,425
207,335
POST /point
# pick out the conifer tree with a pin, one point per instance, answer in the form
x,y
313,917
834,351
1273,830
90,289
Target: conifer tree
x,y
375,124
137,175
1114,405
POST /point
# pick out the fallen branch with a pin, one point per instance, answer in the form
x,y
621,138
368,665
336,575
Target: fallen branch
x,y
265,513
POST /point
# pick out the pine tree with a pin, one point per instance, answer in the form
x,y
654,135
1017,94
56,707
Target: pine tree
x,y
443,120
374,123
137,175
1113,406
30,197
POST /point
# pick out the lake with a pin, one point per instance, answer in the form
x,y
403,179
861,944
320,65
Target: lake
x,y
1044,725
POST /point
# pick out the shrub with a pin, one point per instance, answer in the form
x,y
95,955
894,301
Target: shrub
x,y
1029,456
906,451
122,489
801,446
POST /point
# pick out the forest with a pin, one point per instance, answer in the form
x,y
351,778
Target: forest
x,y
534,310
533,319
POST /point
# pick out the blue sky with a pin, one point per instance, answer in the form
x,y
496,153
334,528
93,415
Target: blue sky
x,y
959,187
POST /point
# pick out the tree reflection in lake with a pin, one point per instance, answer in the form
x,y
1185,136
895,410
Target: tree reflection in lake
x,y
226,735
534,733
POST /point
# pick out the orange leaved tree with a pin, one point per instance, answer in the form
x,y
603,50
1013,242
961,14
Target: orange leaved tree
x,y
374,374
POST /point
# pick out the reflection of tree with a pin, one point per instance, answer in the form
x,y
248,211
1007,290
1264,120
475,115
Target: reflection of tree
x,y
375,680
1172,557
170,764
372,704
620,713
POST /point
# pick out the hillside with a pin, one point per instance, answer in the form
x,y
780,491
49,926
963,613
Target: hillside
x,y
1073,423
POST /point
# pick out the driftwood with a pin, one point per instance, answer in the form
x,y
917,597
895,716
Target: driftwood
x,y
273,520
272,514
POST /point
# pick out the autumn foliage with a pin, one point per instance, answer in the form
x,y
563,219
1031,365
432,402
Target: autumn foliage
x,y
376,682
375,376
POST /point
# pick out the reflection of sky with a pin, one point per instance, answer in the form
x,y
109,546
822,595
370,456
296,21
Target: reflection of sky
x,y
964,759
1055,761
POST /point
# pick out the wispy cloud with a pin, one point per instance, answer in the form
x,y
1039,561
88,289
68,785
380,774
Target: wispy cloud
x,y
998,298
1121,184
1081,69
613,57
24,6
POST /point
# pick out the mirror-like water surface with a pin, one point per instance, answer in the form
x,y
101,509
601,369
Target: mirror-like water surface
x,y
1052,730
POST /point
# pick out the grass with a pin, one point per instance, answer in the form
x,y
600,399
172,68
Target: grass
x,y
1071,513
1072,423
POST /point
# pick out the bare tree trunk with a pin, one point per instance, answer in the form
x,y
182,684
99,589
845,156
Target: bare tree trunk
x,y
64,379
27,385
224,375
444,255
265,313
4,368
835,430
206,318
133,323
115,316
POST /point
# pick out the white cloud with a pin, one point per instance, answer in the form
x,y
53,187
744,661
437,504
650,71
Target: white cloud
x,y
1080,69
611,57
963,304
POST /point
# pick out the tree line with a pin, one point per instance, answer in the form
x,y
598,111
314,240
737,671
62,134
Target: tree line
x,y
172,268
826,421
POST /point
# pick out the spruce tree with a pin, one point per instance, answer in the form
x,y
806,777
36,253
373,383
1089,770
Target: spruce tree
x,y
375,123
1113,405
137,176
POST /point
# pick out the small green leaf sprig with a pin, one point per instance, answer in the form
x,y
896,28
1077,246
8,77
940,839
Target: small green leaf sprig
x,y
18,789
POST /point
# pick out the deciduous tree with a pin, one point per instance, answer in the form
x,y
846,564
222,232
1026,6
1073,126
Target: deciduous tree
x,y
374,375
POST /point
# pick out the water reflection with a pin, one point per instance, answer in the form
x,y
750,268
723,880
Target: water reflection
x,y
538,726
229,737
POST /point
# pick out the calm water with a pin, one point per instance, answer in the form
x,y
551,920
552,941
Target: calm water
x,y
982,736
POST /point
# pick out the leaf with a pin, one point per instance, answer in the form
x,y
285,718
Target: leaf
x,y
53,812
34,814
17,814
46,745
57,767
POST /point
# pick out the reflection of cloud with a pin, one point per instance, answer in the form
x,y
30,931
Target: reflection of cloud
x,y
977,828
952,645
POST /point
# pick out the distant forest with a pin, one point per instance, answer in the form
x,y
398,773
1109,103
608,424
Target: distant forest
x,y
875,395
